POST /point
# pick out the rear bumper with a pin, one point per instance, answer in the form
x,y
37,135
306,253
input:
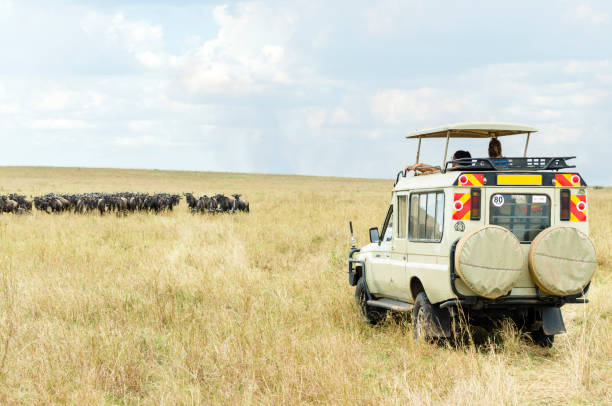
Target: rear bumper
x,y
477,303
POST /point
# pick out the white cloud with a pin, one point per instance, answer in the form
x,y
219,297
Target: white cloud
x,y
586,67
141,125
500,91
5,6
386,17
340,116
56,100
420,105
588,97
248,54
134,34
150,59
58,124
140,39
316,117
145,141
252,85
11,108
586,13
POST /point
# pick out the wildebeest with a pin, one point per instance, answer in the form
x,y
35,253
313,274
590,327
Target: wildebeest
x,y
224,203
240,205
15,203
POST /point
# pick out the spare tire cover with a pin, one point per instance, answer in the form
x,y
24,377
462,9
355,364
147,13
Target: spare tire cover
x,y
562,260
489,260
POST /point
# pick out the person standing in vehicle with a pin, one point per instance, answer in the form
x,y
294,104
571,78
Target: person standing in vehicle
x,y
495,148
495,152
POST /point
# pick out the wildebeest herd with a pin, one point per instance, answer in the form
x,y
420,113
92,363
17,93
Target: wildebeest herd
x,y
120,203
216,204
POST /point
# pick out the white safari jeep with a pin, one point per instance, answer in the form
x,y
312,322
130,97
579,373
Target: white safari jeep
x,y
480,238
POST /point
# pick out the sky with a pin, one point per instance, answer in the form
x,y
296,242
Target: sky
x,y
299,86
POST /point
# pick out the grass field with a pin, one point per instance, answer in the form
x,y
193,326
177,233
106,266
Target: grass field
x,y
249,309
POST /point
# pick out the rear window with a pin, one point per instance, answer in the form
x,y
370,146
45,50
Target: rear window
x,y
523,214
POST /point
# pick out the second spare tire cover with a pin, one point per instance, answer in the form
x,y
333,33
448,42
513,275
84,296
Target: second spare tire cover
x,y
489,260
562,260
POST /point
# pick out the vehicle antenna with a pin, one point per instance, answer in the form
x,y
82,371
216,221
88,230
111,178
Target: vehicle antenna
x,y
353,242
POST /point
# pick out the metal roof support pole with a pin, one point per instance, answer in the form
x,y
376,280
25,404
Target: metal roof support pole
x,y
446,149
418,151
526,145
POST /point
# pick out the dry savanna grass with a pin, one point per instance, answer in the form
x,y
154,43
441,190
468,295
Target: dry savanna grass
x,y
249,309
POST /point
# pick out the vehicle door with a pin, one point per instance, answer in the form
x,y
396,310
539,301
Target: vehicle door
x,y
380,259
397,286
424,246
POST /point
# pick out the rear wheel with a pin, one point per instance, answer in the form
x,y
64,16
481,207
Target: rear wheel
x,y
369,314
423,318
542,339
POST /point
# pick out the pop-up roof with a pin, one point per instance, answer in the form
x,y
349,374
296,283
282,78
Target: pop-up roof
x,y
473,130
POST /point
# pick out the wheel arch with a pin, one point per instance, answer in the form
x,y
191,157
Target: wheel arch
x,y
416,287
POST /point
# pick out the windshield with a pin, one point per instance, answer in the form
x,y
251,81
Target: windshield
x,y
523,214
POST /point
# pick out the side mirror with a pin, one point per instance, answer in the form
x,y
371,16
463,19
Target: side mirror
x,y
374,237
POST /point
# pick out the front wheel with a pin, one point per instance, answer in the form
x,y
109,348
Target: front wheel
x,y
369,314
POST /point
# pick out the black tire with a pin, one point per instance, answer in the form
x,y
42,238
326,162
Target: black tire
x,y
423,318
369,314
542,339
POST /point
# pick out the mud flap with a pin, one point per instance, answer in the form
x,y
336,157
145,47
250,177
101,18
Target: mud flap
x,y
552,321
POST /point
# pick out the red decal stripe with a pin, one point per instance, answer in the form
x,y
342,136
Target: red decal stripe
x,y
480,178
580,215
459,215
562,180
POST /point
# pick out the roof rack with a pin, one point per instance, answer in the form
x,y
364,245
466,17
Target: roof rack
x,y
510,164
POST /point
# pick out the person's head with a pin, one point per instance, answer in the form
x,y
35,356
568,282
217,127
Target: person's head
x,y
495,149
461,155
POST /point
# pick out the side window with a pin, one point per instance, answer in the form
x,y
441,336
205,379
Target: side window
x,y
431,216
439,216
422,216
426,216
414,214
401,215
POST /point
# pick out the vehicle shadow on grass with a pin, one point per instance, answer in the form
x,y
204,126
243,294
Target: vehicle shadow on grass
x,y
494,336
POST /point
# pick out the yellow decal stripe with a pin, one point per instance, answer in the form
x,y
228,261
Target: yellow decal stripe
x,y
519,180
474,180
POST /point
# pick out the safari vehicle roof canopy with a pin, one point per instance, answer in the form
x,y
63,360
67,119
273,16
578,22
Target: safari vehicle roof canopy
x,y
471,130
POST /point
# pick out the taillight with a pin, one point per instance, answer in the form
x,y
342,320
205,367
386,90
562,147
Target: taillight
x,y
565,204
475,202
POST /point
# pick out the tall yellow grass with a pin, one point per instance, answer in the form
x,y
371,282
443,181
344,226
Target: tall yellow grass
x,y
249,309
